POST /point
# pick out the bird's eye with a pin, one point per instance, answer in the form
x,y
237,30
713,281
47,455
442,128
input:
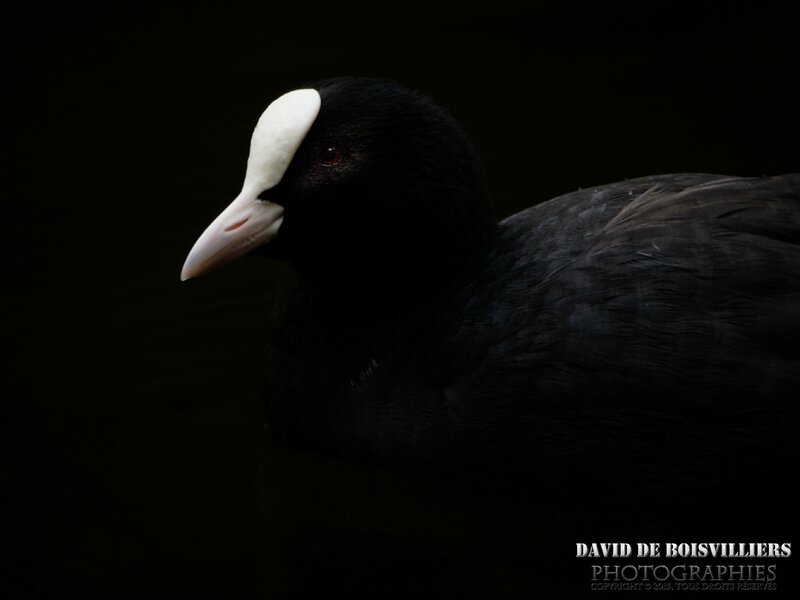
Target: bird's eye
x,y
329,156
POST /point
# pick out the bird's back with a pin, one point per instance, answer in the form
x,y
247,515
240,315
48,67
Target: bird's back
x,y
642,333
687,282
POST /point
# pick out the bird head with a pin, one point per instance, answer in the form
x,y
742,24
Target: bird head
x,y
354,177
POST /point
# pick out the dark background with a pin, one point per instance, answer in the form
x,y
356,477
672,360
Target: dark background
x,y
135,456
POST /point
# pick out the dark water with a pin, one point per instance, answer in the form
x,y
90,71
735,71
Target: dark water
x,y
136,461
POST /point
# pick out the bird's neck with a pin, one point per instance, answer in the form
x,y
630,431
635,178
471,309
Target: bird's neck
x,y
332,326
388,275
359,314
335,323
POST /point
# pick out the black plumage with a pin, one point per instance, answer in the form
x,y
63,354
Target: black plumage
x,y
639,337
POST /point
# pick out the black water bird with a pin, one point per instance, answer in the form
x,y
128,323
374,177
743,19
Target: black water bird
x,y
640,336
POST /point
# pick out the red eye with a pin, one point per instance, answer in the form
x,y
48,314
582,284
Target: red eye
x,y
329,156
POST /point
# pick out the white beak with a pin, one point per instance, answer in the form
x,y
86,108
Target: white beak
x,y
249,222
245,224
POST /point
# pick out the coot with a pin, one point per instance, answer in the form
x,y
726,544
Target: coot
x,y
638,337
